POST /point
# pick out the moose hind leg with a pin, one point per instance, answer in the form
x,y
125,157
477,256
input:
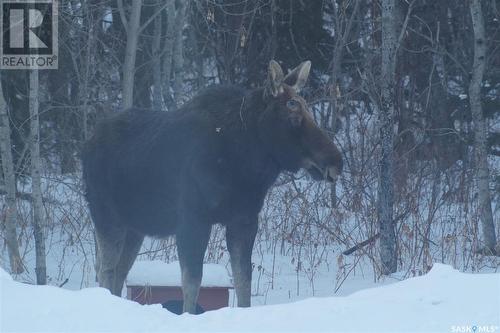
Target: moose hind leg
x,y
131,247
191,246
110,242
240,238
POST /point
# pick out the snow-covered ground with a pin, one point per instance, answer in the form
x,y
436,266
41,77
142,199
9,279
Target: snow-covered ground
x,y
444,300
301,281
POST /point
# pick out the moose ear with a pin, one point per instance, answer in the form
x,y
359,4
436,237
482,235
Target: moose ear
x,y
298,77
274,79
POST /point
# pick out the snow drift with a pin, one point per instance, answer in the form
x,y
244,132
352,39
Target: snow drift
x,y
444,300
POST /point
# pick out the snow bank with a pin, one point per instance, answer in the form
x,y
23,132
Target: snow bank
x,y
444,300
159,273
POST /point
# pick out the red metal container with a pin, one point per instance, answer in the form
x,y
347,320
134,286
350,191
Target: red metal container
x,y
156,282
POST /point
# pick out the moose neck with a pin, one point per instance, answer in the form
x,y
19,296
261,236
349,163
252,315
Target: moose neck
x,y
234,113
253,158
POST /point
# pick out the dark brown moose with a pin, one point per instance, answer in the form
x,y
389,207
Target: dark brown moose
x,y
212,161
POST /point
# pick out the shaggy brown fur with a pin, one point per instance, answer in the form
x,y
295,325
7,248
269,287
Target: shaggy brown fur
x,y
212,161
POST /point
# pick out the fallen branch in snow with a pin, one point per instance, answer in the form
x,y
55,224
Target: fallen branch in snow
x,y
373,238
64,282
361,245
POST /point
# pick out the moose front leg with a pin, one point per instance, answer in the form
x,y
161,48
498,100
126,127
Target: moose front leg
x,y
240,238
192,243
110,240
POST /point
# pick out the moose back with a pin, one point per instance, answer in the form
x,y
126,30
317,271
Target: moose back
x,y
212,161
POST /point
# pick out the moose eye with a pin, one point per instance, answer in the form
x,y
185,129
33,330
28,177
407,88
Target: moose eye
x,y
292,105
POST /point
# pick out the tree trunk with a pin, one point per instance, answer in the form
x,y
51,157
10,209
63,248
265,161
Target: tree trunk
x,y
168,51
178,57
36,185
16,264
89,68
157,86
481,128
197,58
385,200
132,29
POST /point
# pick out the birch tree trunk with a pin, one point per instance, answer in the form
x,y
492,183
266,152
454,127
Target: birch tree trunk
x,y
89,67
178,57
9,177
168,53
36,185
132,29
385,200
481,128
157,86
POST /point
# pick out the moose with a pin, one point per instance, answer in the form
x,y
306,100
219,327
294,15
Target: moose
x,y
212,161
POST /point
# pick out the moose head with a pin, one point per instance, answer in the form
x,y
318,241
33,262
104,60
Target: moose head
x,y
288,130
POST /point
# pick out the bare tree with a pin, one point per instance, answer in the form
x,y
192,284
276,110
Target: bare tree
x,y
157,55
36,183
385,200
9,177
88,65
178,56
132,28
481,128
168,51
